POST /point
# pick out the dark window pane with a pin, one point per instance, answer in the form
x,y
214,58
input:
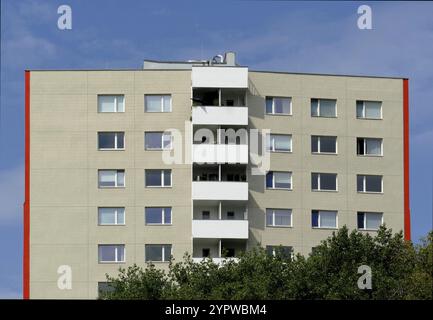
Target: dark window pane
x,y
328,181
314,181
360,183
360,220
314,107
167,252
359,108
153,178
328,144
167,215
106,140
314,144
373,183
205,252
360,146
153,252
167,177
270,250
120,140
268,105
314,218
153,215
269,178
205,215
153,140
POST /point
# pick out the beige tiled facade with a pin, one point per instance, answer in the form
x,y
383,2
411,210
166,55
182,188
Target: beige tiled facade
x,y
64,164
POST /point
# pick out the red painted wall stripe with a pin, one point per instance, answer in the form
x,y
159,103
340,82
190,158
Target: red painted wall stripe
x,y
406,158
26,215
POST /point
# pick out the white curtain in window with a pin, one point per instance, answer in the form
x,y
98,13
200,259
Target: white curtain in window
x,y
373,146
372,109
106,104
328,219
153,103
373,220
282,142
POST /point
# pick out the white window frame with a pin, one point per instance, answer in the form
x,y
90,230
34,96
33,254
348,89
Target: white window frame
x,y
116,185
116,214
319,186
273,225
162,103
163,134
273,113
318,108
319,220
115,140
365,213
163,223
116,103
116,253
162,178
271,139
363,110
319,150
364,183
273,181
162,252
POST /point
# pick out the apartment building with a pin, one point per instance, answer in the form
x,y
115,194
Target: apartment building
x,y
204,157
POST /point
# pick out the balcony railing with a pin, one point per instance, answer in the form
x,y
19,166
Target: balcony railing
x,y
220,229
220,153
210,115
219,190
216,260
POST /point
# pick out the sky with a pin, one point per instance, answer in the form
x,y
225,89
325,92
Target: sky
x,y
317,37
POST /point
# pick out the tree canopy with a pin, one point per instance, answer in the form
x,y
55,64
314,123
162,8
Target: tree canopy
x,y
399,270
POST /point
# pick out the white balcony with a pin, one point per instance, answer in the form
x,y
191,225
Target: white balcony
x,y
220,153
219,190
216,260
220,229
219,77
212,115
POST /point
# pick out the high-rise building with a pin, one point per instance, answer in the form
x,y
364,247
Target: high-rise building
x,y
204,157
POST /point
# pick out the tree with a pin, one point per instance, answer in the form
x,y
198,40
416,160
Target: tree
x,y
399,269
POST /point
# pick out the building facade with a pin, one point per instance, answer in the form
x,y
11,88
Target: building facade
x,y
132,166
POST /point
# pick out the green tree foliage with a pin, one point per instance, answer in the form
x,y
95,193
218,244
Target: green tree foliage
x,y
400,270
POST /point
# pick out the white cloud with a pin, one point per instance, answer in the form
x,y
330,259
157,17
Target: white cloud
x,y
11,195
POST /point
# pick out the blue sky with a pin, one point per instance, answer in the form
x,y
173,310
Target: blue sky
x,y
318,37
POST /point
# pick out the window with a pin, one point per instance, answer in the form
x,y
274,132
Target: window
x,y
230,215
279,143
157,140
281,251
369,109
278,217
111,178
111,216
158,215
111,103
369,183
324,219
111,140
111,253
369,220
324,181
323,144
157,103
369,146
205,252
279,105
279,180
157,252
158,178
229,252
205,215
324,108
